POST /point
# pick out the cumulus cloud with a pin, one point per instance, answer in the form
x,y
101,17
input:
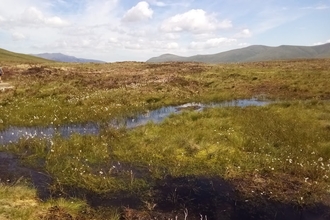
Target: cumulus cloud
x,y
142,44
172,36
140,12
320,43
78,31
243,44
32,15
16,36
98,12
55,21
245,33
211,43
163,45
2,19
35,17
172,45
133,45
195,21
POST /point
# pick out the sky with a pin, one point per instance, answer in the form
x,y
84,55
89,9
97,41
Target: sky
x,y
133,30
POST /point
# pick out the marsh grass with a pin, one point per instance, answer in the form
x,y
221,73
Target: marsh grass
x,y
247,145
20,202
280,151
70,93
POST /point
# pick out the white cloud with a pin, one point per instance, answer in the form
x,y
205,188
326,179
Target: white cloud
x,y
172,45
211,43
78,31
32,15
133,45
243,44
245,33
157,3
95,27
163,45
113,40
142,43
55,21
172,36
319,7
16,36
35,17
98,12
2,18
320,43
140,12
195,21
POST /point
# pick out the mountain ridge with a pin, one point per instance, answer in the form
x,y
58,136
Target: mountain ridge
x,y
60,57
252,53
9,56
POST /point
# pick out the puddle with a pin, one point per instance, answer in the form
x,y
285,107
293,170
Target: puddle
x,y
159,115
215,198
14,134
11,171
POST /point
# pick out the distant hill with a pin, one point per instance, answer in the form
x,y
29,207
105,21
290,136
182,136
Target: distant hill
x,y
9,56
65,58
252,54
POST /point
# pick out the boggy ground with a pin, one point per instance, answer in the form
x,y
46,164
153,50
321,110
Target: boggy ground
x,y
175,198
266,162
69,93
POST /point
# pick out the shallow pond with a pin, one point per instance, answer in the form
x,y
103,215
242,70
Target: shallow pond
x,y
14,134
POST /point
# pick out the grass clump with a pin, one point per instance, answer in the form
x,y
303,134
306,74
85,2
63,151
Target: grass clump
x,y
278,152
20,202
244,146
79,93
236,143
87,163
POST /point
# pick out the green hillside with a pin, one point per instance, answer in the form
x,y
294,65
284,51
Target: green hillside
x,y
8,56
252,54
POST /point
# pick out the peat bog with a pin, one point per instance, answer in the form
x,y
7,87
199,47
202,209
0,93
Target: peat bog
x,y
14,134
91,154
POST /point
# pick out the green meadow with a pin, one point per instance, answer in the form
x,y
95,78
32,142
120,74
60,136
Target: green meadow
x,y
278,153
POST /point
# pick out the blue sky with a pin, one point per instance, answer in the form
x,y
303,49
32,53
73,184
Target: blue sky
x,y
123,30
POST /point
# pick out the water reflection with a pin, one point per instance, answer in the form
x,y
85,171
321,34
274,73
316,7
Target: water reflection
x,y
14,134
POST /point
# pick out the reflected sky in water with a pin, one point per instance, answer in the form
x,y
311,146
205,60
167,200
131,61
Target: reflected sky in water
x,y
14,134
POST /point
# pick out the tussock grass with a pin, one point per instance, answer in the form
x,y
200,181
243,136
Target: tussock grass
x,y
20,202
238,144
71,93
280,151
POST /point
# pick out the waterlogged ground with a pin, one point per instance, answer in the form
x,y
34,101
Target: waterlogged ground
x,y
14,134
93,153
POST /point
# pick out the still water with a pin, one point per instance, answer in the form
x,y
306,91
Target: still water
x,y
14,134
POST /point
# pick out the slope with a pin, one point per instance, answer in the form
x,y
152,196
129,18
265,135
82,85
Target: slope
x,y
254,53
8,56
65,58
